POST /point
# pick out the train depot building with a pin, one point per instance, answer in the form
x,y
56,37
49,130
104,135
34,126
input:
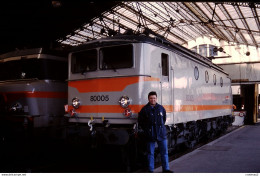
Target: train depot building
x,y
75,75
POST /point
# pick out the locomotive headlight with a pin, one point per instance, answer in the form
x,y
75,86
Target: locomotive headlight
x,y
75,103
16,107
124,101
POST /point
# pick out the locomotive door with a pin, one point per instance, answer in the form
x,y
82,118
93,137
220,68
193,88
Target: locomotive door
x,y
165,83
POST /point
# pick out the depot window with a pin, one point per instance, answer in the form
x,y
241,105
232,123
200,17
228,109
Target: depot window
x,y
212,51
116,57
194,49
203,50
84,61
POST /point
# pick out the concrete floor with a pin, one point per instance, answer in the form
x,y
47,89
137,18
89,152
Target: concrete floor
x,y
236,152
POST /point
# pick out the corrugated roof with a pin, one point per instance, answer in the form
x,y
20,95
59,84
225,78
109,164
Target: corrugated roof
x,y
179,22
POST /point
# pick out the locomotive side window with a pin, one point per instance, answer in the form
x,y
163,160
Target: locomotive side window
x,y
84,61
221,82
214,79
165,65
196,73
206,76
116,57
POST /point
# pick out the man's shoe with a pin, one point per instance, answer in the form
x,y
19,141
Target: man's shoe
x,y
168,171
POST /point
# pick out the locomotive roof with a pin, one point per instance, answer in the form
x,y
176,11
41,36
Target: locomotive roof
x,y
31,53
141,38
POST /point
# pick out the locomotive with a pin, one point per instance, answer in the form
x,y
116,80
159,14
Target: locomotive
x,y
110,78
33,92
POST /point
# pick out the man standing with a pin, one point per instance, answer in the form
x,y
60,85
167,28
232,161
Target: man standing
x,y
151,119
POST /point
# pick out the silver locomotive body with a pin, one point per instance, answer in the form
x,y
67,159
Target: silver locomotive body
x,y
32,89
109,80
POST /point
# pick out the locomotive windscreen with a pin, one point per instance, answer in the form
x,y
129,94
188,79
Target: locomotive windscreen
x,y
84,61
33,68
114,57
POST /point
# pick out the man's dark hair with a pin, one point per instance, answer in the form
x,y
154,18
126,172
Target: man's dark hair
x,y
152,93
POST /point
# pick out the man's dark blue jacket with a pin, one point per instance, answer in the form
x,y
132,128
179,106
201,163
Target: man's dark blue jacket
x,y
152,120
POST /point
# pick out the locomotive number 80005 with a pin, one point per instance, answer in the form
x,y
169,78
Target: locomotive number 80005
x,y
99,98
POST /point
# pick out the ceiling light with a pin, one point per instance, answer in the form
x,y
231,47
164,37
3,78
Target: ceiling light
x,y
56,3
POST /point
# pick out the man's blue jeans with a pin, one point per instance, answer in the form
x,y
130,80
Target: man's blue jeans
x,y
164,154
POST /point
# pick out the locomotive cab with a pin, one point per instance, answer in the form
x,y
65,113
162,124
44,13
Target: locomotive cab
x,y
109,80
33,90
103,83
